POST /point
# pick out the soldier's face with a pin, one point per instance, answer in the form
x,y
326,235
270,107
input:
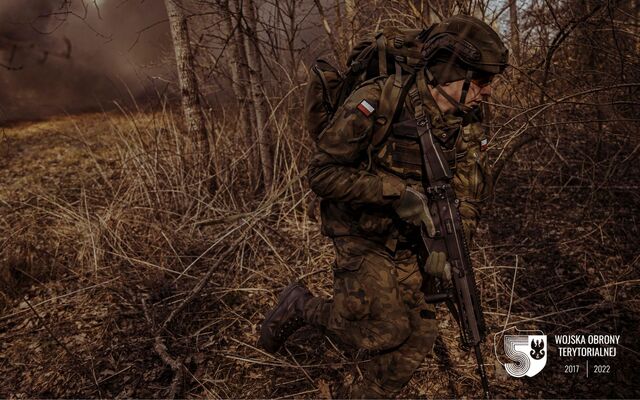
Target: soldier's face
x,y
479,91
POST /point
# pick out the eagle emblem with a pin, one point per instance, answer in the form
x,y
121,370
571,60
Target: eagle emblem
x,y
537,349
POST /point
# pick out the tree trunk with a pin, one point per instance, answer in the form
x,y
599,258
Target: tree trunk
x,y
191,107
291,32
335,47
243,65
240,83
515,32
257,91
590,62
352,18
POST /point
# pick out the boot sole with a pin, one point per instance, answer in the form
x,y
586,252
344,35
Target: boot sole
x,y
267,317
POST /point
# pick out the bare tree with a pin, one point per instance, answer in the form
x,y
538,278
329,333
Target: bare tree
x,y
191,106
351,15
257,90
231,22
331,35
513,25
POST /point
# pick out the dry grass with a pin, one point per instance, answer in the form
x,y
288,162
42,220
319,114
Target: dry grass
x,y
122,276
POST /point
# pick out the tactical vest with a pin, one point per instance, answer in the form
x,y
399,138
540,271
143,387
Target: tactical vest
x,y
400,153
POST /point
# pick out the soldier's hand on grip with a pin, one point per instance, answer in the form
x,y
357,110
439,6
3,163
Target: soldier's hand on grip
x,y
413,207
438,266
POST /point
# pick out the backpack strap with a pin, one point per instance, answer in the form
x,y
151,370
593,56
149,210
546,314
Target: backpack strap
x,y
391,100
381,43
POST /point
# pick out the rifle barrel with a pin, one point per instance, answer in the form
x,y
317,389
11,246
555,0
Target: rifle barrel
x,y
482,372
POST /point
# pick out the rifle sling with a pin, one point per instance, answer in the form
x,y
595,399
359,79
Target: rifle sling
x,y
435,164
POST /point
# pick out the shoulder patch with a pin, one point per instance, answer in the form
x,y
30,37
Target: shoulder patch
x,y
366,108
484,144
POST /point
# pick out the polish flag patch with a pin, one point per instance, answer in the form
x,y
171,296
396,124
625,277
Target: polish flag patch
x,y
484,144
365,108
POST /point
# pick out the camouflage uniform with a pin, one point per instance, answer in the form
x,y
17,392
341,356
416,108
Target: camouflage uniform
x,y
373,202
377,302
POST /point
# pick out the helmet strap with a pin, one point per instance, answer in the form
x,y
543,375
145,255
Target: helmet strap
x,y
460,107
465,86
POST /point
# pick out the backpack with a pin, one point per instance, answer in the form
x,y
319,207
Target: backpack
x,y
391,53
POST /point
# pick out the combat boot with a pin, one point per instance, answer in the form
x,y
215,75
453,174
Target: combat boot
x,y
285,318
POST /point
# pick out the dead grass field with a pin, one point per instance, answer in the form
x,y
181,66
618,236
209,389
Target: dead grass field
x,y
121,276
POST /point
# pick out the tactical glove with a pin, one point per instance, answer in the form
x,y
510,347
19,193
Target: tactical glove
x,y
438,266
413,207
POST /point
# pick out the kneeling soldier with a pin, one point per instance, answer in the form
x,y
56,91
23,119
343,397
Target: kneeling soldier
x,y
373,202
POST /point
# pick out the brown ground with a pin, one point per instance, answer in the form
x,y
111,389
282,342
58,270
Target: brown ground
x,y
101,241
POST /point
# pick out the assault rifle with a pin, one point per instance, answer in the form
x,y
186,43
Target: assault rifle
x,y
462,299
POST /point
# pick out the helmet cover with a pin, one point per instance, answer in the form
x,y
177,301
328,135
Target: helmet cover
x,y
462,43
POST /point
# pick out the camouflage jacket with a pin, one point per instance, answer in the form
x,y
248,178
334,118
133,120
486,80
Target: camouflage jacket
x,y
358,183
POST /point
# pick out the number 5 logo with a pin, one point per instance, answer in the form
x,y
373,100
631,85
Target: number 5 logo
x,y
529,353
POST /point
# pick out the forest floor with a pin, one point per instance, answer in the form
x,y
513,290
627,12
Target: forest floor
x,y
103,288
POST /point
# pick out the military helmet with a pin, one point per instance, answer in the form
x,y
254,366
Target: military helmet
x,y
462,43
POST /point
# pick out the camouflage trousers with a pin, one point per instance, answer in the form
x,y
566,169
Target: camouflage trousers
x,y
377,306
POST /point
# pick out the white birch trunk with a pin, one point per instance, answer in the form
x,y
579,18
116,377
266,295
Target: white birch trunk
x,y
191,107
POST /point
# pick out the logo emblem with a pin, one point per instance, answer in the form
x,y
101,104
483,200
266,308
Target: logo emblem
x,y
537,349
529,353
